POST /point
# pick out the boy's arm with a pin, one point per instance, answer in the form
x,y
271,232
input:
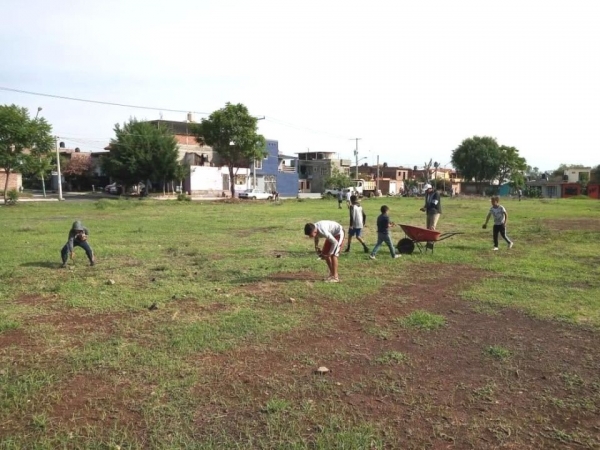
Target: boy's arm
x,y
487,219
505,217
364,219
351,210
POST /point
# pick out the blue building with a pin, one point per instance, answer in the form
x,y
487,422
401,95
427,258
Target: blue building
x,y
276,172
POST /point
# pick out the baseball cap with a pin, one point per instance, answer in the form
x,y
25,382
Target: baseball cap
x,y
427,186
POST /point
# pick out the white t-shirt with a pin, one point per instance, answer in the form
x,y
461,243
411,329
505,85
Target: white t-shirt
x,y
498,214
356,213
348,194
328,229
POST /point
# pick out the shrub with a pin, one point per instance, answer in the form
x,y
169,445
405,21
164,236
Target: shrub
x,y
184,198
12,197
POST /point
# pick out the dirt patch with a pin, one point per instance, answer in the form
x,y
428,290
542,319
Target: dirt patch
x,y
90,400
503,380
589,224
34,300
74,322
15,338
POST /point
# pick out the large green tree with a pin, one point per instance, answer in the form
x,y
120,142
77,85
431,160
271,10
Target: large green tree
x,y
511,165
233,133
338,180
141,151
478,158
20,134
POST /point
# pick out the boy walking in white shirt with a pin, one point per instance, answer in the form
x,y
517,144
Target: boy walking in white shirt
x,y
357,223
500,218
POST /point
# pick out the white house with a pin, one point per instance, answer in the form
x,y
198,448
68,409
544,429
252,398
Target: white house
x,y
214,181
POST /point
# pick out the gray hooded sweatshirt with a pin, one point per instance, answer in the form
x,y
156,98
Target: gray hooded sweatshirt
x,y
77,226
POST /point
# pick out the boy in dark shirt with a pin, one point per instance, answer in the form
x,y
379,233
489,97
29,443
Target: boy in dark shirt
x,y
78,236
383,233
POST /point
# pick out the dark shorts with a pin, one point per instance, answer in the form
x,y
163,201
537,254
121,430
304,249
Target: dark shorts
x,y
355,232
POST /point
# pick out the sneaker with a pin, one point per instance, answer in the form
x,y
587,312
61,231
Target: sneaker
x,y
510,245
396,256
92,263
63,265
366,249
347,250
332,280
495,249
372,257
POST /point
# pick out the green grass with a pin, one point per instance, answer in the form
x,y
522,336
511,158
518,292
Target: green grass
x,y
422,320
224,294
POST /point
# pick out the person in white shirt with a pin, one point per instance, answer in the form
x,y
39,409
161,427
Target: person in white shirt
x,y
500,217
348,198
357,223
333,233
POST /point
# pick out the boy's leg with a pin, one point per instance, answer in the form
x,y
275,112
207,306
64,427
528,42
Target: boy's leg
x,y
495,234
365,248
379,242
388,241
503,234
334,267
349,240
64,254
329,265
88,250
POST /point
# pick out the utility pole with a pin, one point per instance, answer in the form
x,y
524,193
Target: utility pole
x,y
356,157
60,197
377,178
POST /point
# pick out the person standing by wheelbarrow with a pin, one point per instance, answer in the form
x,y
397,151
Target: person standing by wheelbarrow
x,y
433,207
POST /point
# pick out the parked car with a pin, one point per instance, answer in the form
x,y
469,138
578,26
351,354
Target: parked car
x,y
114,188
255,194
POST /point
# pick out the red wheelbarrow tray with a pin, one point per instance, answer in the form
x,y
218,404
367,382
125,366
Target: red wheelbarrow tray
x,y
420,234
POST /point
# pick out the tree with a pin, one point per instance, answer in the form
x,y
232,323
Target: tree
x,y
78,167
338,180
141,151
533,172
510,164
39,167
478,158
232,132
595,175
182,171
19,134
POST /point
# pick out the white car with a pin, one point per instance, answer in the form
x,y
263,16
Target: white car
x,y
255,194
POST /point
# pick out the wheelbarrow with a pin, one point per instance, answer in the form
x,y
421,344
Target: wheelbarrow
x,y
415,237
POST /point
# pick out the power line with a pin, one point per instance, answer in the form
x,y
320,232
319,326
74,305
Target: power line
x,y
99,102
151,108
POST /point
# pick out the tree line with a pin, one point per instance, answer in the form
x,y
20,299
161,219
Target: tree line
x,y
139,151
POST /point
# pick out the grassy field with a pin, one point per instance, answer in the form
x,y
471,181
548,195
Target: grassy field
x,y
462,348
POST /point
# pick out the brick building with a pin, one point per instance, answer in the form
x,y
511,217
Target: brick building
x,y
15,180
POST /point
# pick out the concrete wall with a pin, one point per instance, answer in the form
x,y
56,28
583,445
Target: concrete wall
x,y
214,180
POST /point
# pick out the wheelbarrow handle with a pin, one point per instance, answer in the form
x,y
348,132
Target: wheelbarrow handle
x,y
448,235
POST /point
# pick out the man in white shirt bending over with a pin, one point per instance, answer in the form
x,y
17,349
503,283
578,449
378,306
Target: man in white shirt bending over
x,y
333,233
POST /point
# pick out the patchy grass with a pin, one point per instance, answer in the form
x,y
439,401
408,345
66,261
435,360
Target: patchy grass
x,y
242,319
422,320
498,352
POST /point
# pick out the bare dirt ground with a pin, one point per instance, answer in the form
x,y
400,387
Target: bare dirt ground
x,y
455,389
486,379
588,224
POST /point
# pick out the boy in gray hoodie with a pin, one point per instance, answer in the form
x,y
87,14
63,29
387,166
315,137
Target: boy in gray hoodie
x,y
78,236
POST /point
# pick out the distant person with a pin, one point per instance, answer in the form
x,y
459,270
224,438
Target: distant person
x,y
384,224
500,218
78,237
333,233
357,223
340,198
433,207
520,193
348,198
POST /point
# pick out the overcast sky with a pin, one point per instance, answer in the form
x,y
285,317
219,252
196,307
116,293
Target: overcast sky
x,y
411,79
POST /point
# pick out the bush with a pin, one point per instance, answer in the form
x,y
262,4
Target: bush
x,y
184,198
12,197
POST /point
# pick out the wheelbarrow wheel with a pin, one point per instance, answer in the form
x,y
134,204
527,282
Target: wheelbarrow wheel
x,y
406,246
